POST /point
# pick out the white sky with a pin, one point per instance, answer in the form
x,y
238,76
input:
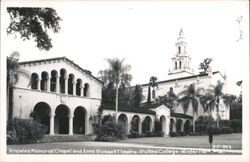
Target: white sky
x,y
143,32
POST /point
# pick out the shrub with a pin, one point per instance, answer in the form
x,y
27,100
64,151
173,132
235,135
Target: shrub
x,y
226,130
181,133
217,130
236,125
23,131
134,134
194,134
225,123
110,131
160,133
148,133
174,134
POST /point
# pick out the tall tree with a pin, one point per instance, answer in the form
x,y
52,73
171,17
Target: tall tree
x,y
149,96
14,71
204,66
216,94
34,22
117,74
153,83
137,96
190,95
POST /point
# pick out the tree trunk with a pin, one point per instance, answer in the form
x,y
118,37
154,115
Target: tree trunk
x,y
10,103
217,111
193,122
116,104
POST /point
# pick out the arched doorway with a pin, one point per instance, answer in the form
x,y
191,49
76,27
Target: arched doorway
x,y
172,125
124,120
79,120
179,125
163,123
187,126
41,114
34,81
62,119
135,124
146,124
44,81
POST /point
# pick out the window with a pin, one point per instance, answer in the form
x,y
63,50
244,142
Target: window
x,y
179,48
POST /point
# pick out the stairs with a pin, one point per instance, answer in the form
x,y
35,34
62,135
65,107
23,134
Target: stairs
x,y
67,138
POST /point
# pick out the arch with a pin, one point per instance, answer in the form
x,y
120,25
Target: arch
x,y
147,124
163,123
54,75
187,126
179,49
86,90
78,87
71,79
44,80
172,125
62,113
179,125
63,75
41,114
79,120
122,118
135,123
34,81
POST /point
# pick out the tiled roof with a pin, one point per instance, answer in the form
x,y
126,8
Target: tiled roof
x,y
64,59
179,115
143,110
183,78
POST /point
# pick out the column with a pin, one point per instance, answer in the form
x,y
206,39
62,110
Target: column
x,y
51,131
66,84
140,127
39,84
87,124
71,124
48,84
57,83
174,127
74,87
81,90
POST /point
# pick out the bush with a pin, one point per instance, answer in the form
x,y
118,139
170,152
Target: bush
x,y
24,131
236,125
133,134
110,131
226,130
160,133
217,130
181,133
225,123
148,133
174,134
194,134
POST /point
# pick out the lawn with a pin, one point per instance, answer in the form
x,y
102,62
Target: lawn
x,y
128,146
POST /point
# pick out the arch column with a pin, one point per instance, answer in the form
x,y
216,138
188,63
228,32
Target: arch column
x,y
57,83
48,84
74,88
66,85
81,90
140,127
51,131
87,123
39,84
71,124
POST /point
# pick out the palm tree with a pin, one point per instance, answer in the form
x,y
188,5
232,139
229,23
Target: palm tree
x,y
215,95
117,74
189,96
153,84
13,75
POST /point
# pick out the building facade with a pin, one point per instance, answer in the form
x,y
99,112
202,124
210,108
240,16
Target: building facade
x,y
66,98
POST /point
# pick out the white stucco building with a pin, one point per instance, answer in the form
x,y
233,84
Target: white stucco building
x,y
66,97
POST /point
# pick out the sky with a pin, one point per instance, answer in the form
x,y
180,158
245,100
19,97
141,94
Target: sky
x,y
144,33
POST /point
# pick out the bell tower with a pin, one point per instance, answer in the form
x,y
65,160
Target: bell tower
x,y
181,61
